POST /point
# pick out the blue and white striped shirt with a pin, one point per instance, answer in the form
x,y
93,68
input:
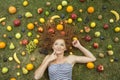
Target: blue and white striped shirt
x,y
60,71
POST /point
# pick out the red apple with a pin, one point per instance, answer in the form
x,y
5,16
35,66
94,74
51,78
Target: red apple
x,y
62,33
40,10
17,22
24,42
40,29
73,16
82,0
105,26
100,68
51,30
87,38
95,45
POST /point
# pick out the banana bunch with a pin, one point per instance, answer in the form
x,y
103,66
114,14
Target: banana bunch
x,y
30,47
116,14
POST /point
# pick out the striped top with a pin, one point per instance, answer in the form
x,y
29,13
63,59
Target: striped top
x,y
60,71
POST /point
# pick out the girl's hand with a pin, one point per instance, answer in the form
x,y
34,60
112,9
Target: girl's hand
x,y
76,43
52,57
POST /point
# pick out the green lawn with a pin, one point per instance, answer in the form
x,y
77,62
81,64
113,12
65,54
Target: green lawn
x,y
80,71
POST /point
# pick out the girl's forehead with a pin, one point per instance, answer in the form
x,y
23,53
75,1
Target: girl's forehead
x,y
60,40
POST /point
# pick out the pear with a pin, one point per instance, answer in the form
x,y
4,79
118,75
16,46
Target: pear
x,y
28,14
24,70
11,46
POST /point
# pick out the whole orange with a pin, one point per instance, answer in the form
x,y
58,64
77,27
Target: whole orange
x,y
90,65
90,9
12,78
29,66
59,27
12,10
69,9
2,45
30,26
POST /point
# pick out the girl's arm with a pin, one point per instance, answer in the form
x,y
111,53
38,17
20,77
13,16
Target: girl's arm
x,y
89,57
41,69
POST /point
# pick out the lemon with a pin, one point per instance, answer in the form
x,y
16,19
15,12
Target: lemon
x,y
42,20
69,20
9,28
25,3
93,24
36,41
59,7
117,29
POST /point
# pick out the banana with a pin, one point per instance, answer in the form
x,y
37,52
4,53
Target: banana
x,y
116,14
54,17
2,19
16,58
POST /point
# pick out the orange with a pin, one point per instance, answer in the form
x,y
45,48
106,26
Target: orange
x,y
29,66
2,45
90,9
30,26
12,10
90,65
69,9
59,27
12,78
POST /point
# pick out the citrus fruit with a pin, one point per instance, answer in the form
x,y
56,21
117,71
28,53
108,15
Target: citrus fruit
x,y
69,9
90,65
90,9
2,44
29,66
12,10
12,78
59,27
30,26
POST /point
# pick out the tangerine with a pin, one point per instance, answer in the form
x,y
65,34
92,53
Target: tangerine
x,y
59,27
12,10
2,45
90,65
90,9
29,66
30,26
69,9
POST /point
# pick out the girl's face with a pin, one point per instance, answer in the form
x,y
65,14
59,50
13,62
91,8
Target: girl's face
x,y
59,46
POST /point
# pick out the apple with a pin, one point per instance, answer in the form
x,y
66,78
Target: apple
x,y
62,33
17,22
25,42
87,38
82,0
40,29
4,70
51,30
100,68
40,10
95,45
105,26
73,16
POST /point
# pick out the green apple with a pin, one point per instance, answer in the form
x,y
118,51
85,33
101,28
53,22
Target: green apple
x,y
4,70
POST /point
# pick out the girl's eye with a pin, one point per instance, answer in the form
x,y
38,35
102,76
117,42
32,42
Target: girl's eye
x,y
55,43
62,44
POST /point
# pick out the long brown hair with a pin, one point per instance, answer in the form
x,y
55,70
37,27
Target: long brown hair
x,y
47,38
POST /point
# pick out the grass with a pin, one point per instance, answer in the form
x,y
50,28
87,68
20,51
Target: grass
x,y
80,71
